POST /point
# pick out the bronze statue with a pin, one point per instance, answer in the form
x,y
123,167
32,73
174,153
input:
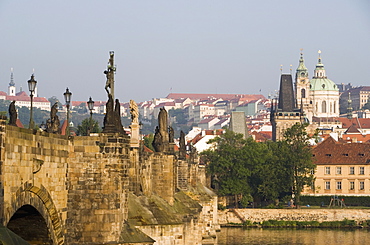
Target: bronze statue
x,y
12,114
109,73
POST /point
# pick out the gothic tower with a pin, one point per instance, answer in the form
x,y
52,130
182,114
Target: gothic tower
x,y
284,114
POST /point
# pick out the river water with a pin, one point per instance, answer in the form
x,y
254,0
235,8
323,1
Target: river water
x,y
269,236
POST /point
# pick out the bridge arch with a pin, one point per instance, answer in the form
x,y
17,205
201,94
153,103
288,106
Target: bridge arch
x,y
40,199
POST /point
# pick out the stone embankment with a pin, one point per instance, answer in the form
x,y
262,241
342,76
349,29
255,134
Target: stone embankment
x,y
258,215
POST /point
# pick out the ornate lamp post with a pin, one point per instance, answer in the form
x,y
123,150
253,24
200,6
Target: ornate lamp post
x,y
90,105
31,87
67,97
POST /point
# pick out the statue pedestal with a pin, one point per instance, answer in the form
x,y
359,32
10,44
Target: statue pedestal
x,y
135,135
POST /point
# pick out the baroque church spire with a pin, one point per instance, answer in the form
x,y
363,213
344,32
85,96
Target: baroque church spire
x,y
302,69
319,70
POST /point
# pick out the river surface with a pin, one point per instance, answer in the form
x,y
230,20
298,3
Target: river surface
x,y
241,236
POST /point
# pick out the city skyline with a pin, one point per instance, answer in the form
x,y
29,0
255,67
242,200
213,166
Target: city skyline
x,y
193,47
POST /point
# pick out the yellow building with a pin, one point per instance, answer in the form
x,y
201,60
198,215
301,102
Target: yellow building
x,y
342,169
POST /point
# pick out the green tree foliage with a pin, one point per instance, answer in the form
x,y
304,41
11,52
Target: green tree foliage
x,y
148,139
266,171
228,165
179,115
83,128
298,154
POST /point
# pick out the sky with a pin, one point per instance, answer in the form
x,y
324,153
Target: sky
x,y
192,46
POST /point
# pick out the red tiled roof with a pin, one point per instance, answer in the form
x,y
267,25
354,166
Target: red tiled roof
x,y
208,96
206,120
332,152
26,98
352,129
363,122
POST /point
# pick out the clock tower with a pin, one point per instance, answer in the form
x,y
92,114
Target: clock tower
x,y
302,89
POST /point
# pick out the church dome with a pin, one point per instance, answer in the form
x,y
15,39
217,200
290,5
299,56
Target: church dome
x,y
323,84
320,82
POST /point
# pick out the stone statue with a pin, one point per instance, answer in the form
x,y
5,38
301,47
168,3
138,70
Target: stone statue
x,y
182,150
54,123
162,119
134,112
158,141
171,134
109,73
12,114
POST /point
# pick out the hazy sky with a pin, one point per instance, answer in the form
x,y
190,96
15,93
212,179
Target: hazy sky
x,y
194,46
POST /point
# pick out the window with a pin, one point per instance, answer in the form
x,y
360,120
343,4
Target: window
x,y
339,185
327,185
351,185
339,170
362,170
327,170
351,170
362,185
323,107
303,93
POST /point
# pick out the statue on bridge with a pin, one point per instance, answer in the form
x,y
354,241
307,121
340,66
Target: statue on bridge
x,y
161,136
109,73
112,119
134,112
52,124
13,114
182,150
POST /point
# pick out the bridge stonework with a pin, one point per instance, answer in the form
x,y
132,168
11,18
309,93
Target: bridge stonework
x,y
80,186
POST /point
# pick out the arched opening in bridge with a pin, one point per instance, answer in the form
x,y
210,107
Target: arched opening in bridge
x,y
29,224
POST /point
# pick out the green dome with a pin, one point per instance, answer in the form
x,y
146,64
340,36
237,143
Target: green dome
x,y
323,84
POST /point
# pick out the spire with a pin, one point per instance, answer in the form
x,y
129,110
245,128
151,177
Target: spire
x,y
319,70
286,94
349,108
12,83
302,69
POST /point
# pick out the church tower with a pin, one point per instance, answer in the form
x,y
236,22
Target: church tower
x,y
324,93
302,88
284,114
11,87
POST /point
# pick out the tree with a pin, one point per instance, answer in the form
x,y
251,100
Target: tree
x,y
83,128
148,139
271,174
227,165
298,154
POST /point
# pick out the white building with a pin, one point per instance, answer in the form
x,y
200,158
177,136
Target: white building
x,y
319,96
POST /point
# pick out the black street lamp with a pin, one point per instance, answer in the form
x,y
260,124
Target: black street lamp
x,y
31,87
90,105
67,98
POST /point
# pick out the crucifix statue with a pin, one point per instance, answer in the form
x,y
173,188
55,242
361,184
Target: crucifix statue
x,y
109,73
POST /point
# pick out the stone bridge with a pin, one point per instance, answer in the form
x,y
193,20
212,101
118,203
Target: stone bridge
x,y
60,190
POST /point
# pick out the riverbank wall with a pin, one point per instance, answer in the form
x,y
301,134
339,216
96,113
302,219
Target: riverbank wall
x,y
237,216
